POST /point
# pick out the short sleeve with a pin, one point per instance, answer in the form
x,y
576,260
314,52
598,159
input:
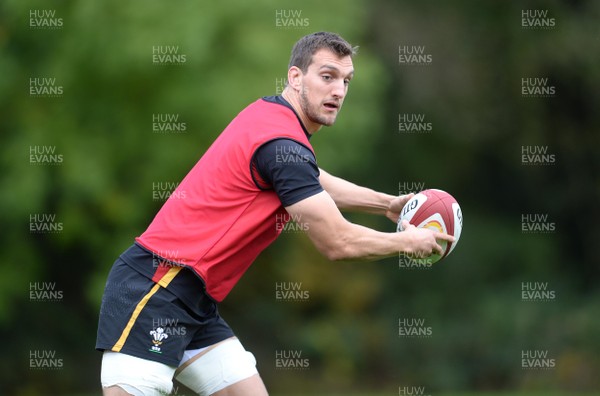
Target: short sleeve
x,y
289,168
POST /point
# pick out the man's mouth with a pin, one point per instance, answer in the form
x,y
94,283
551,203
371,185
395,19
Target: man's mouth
x,y
331,105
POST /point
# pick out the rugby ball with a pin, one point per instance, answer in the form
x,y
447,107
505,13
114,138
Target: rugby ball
x,y
438,211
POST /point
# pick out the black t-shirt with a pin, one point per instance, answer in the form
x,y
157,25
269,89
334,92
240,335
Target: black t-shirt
x,y
287,166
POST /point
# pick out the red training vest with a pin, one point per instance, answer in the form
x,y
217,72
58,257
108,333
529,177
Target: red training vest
x,y
217,220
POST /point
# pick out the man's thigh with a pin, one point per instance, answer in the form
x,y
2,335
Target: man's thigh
x,y
225,368
129,375
249,386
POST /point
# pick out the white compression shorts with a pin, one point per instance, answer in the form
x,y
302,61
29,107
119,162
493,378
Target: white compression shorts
x,y
138,377
223,365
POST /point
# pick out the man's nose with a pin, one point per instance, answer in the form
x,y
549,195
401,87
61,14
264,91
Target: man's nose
x,y
339,89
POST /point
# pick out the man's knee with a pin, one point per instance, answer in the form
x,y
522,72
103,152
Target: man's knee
x,y
115,390
250,386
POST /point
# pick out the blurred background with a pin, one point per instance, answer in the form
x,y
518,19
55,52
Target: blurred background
x,y
105,106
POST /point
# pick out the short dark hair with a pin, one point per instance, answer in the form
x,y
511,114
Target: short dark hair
x,y
307,46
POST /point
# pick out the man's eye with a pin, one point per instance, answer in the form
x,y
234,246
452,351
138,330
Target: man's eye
x,y
326,77
346,82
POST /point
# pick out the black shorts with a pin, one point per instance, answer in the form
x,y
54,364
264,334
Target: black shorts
x,y
141,318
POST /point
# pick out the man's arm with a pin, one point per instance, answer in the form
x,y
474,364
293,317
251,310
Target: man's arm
x,y
351,197
338,239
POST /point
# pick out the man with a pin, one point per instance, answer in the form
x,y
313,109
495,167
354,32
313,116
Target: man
x,y
258,171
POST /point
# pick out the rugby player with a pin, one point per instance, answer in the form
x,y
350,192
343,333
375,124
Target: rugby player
x,y
260,171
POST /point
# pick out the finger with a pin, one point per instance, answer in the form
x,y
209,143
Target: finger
x,y
405,224
405,198
444,237
438,249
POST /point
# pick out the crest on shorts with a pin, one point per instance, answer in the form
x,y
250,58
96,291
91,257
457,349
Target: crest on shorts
x,y
158,335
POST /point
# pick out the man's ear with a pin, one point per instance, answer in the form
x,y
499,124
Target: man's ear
x,y
295,78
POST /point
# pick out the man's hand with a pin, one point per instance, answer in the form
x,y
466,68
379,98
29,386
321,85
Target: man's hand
x,y
396,205
423,241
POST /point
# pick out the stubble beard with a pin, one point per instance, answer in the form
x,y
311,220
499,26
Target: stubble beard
x,y
313,113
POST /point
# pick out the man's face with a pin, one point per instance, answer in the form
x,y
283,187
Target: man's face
x,y
324,86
